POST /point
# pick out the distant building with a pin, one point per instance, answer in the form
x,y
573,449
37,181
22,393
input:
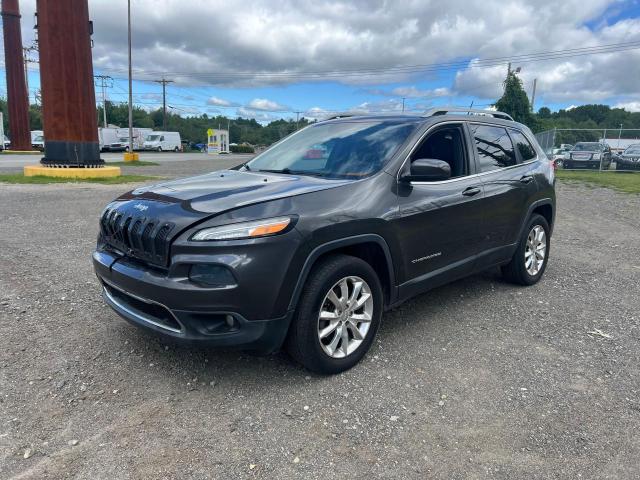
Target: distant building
x,y
619,144
217,141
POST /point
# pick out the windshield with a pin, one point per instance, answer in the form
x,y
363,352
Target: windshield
x,y
336,150
39,138
632,150
153,138
587,147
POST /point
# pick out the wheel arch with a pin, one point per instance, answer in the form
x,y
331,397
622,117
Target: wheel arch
x,y
371,248
544,207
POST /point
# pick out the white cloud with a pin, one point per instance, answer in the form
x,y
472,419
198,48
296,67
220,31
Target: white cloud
x,y
220,102
250,43
257,115
631,106
413,92
265,105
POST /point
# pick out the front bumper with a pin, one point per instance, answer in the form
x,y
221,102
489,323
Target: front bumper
x,y
166,302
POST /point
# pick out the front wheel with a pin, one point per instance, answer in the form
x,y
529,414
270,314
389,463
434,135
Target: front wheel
x,y
159,149
338,315
530,259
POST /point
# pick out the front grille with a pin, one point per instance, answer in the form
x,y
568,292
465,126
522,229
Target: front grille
x,y
137,236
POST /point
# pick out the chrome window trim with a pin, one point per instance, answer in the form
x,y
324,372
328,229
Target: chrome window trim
x,y
460,122
137,315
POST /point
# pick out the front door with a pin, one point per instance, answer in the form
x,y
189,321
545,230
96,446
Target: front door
x,y
438,221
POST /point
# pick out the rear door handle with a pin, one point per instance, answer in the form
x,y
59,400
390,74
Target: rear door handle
x,y
526,179
471,191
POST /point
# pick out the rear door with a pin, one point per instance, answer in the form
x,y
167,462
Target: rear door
x,y
508,179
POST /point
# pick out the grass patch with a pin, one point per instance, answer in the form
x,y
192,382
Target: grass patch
x,y
627,182
139,163
41,179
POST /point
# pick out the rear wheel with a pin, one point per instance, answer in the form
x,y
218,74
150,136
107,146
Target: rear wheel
x,y
530,259
176,149
338,315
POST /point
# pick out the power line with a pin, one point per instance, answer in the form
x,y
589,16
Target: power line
x,y
406,69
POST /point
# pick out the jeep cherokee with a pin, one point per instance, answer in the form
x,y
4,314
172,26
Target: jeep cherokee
x,y
309,242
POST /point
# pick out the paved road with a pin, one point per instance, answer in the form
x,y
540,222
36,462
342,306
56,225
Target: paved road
x,y
478,379
170,164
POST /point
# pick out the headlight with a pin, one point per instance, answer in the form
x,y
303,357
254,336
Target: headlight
x,y
255,229
596,156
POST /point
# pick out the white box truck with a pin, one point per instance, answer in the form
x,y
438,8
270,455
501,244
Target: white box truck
x,y
122,143
107,136
163,142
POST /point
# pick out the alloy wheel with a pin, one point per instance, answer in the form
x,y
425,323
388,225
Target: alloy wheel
x,y
345,317
535,250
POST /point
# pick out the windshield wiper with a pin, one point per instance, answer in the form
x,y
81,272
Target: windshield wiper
x,y
288,171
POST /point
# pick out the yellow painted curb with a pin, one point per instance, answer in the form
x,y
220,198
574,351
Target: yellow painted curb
x,y
22,152
73,172
131,157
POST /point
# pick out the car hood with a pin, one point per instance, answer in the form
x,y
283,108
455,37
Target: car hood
x,y
224,190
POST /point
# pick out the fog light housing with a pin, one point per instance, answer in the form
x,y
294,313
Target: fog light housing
x,y
208,275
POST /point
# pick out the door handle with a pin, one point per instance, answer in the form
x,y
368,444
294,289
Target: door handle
x,y
526,179
471,191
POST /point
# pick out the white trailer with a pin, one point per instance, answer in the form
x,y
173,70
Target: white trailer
x,y
163,142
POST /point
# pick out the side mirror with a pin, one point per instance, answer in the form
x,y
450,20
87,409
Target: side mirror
x,y
428,170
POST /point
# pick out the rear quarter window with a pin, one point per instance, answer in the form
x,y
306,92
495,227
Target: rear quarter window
x,y
523,146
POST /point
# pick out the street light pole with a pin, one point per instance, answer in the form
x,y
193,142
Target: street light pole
x,y
130,80
619,135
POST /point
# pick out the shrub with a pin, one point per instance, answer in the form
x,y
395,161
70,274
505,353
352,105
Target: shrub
x,y
241,149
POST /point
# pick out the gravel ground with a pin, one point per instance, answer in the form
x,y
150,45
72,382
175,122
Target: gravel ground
x,y
478,379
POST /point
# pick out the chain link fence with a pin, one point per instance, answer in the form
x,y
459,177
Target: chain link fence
x,y
594,149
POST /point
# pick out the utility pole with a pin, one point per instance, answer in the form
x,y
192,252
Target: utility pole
x,y
105,81
132,156
17,93
164,82
403,99
27,61
297,119
533,94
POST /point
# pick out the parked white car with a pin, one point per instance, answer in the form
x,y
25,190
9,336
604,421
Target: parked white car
x,y
163,141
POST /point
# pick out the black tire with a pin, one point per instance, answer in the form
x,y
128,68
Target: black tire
x,y
303,343
515,271
159,149
176,149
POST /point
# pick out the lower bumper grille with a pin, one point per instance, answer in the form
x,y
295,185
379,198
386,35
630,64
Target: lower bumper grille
x,y
142,310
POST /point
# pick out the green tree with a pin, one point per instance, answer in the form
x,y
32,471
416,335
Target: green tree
x,y
514,101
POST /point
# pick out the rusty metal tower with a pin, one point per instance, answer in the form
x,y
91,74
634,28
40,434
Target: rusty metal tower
x,y
17,97
66,79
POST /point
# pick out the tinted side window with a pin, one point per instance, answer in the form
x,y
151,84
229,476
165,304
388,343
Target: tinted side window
x,y
527,152
494,147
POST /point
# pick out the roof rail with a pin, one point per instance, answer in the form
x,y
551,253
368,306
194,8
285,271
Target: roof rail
x,y
338,115
469,111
